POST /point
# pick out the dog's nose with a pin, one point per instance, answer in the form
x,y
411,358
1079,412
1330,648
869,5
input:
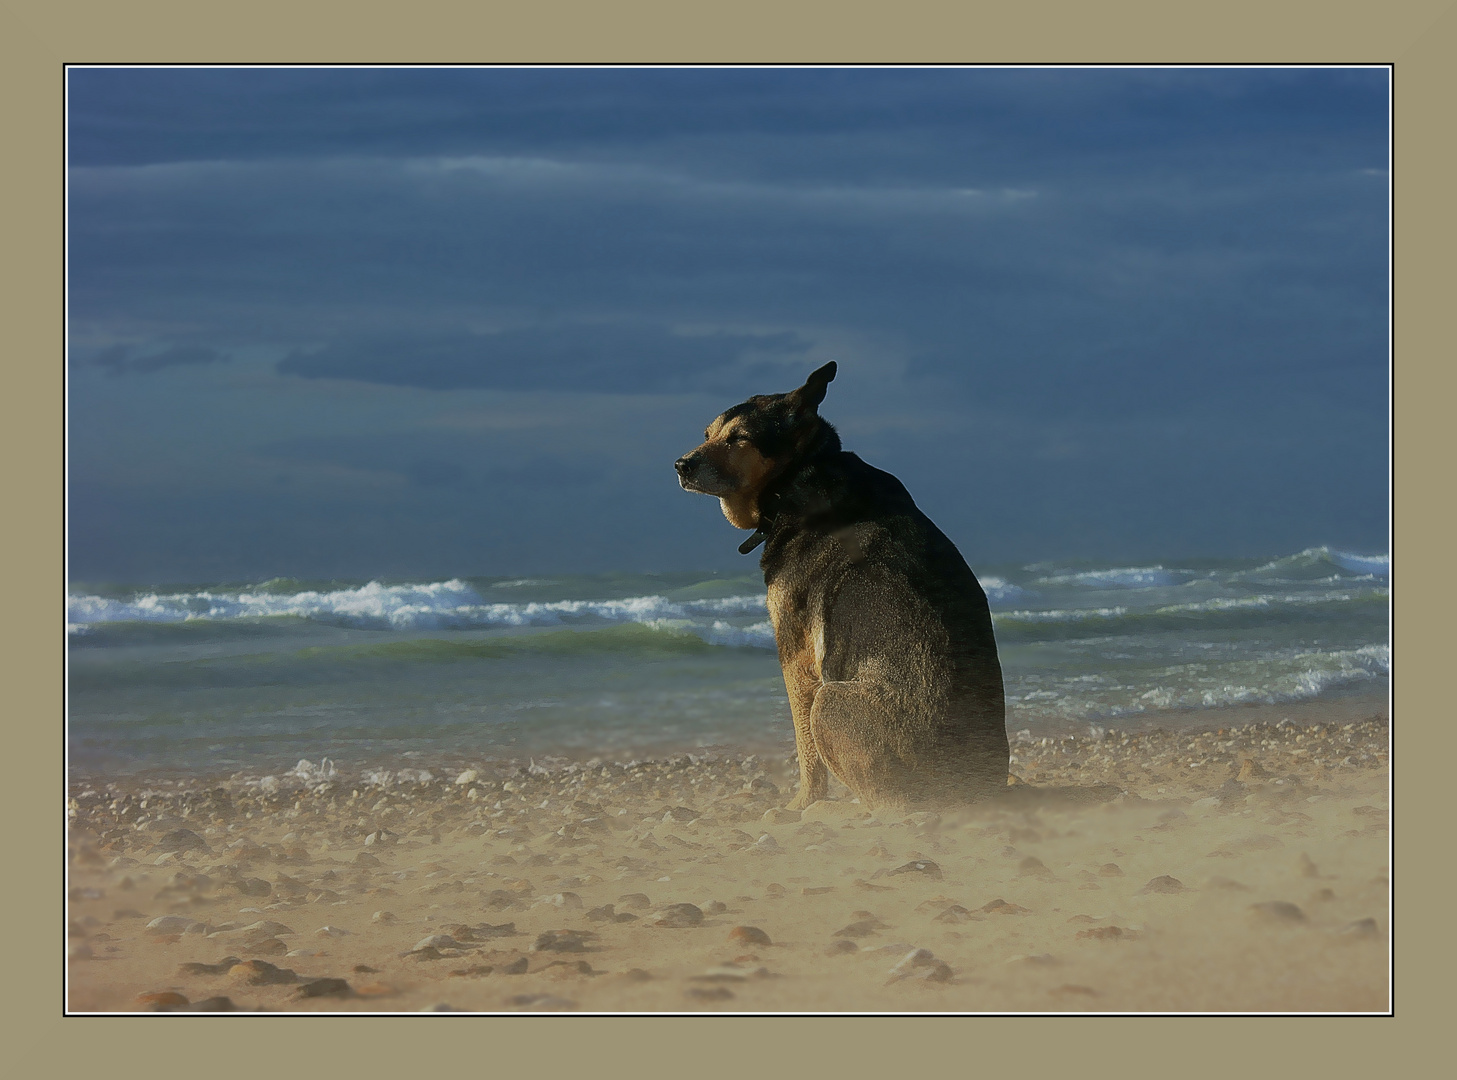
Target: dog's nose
x,y
685,465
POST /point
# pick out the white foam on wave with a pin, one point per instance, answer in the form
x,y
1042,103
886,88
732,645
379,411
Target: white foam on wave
x,y
401,605
759,635
1000,591
1273,680
1379,565
1264,600
1062,614
444,605
1125,577
1216,604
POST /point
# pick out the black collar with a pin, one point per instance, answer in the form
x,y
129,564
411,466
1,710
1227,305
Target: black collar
x,y
770,501
766,526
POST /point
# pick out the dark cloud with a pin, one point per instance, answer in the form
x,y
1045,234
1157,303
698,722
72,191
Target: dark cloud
x,y
605,358
848,125
439,463
130,360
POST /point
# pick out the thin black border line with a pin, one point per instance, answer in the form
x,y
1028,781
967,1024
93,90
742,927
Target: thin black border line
x,y
1390,69
1390,535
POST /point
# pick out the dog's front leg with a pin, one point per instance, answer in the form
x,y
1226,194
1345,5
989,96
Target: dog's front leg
x,y
803,682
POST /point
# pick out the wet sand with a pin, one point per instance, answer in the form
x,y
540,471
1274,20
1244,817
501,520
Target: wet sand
x,y
1242,869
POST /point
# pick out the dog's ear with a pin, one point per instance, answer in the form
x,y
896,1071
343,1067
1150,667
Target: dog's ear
x,y
808,397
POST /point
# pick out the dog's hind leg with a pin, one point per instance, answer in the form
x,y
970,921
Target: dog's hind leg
x,y
852,732
802,683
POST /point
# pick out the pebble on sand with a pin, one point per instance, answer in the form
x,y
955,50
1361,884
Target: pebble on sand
x,y
1035,960
175,924
1001,907
162,999
955,914
677,915
839,948
264,928
608,913
562,941
570,967
324,988
567,901
1361,928
921,964
261,973
1108,933
710,993
732,973
180,840
919,866
861,928
749,935
1276,911
541,1002
222,967
1032,866
436,941
265,947
1164,884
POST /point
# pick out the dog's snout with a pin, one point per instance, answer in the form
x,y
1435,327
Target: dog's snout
x,y
686,465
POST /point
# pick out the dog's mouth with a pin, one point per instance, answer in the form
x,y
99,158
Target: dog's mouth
x,y
698,475
698,487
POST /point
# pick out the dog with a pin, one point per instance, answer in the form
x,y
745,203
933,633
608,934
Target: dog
x,y
884,634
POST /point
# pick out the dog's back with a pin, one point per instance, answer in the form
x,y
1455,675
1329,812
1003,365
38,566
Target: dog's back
x,y
910,706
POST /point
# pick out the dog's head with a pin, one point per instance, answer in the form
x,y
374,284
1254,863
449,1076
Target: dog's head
x,y
752,443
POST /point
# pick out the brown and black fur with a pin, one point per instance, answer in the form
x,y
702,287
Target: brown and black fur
x,y
883,632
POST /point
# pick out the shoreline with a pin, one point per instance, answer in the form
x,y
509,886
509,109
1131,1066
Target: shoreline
x,y
1344,708
1234,870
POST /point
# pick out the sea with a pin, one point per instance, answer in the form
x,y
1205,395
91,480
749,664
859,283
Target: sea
x,y
406,679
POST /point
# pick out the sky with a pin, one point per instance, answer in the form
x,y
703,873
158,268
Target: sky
x,y
420,323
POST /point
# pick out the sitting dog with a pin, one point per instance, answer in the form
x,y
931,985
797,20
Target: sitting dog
x,y
883,632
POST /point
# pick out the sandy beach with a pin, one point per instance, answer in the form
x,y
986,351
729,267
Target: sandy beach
x,y
1242,868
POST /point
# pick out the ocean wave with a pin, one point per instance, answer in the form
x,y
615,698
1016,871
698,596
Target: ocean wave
x,y
446,605
1218,612
1313,674
1129,577
1001,591
1315,561
667,636
1274,679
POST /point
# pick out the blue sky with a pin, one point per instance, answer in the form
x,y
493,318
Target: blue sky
x,y
430,322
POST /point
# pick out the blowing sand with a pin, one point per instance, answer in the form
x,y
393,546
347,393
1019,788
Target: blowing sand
x,y
1243,869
